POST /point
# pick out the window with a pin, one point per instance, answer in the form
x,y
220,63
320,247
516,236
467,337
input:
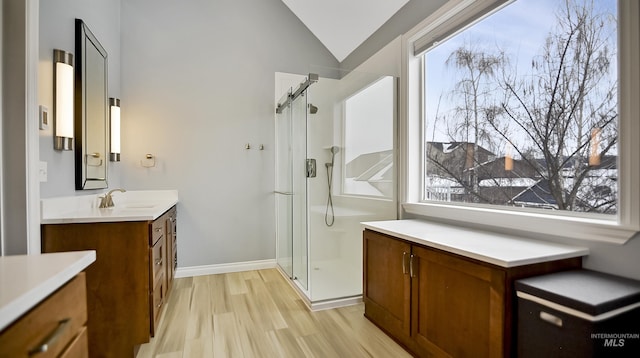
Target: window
x,y
368,140
529,119
522,115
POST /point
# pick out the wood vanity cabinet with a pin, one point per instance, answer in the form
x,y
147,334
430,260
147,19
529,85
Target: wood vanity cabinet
x,y
57,325
128,283
439,304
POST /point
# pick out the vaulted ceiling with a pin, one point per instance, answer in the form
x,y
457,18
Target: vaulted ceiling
x,y
342,25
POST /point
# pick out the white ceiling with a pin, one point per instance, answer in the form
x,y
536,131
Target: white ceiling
x,y
342,25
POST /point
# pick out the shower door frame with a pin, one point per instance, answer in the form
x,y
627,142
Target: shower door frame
x,y
300,207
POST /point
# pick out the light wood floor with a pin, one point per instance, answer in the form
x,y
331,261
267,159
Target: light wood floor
x,y
258,314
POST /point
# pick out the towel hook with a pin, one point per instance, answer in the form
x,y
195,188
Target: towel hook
x,y
149,161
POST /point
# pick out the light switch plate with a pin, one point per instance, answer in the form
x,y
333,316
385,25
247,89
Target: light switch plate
x,y
42,172
44,117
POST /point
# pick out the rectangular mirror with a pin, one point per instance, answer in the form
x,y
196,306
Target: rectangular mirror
x,y
91,110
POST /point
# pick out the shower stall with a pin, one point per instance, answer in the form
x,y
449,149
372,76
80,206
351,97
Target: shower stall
x,y
334,169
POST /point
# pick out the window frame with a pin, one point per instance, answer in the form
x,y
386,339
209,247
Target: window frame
x,y
617,228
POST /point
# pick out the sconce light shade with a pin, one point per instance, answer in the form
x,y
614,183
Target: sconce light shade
x,y
63,98
114,114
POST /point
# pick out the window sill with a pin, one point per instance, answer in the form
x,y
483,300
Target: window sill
x,y
599,230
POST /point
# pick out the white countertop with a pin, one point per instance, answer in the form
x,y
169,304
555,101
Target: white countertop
x,y
141,205
498,249
25,280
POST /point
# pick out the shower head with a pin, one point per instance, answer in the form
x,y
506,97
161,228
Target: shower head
x,y
313,109
334,149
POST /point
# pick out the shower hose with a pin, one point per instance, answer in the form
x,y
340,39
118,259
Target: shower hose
x,y
329,215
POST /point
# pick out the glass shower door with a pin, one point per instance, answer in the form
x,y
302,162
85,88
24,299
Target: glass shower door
x,y
291,191
284,191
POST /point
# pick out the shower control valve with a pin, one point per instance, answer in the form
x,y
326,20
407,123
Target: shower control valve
x,y
311,168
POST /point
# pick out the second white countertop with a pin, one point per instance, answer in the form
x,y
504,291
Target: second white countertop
x,y
25,280
498,249
140,205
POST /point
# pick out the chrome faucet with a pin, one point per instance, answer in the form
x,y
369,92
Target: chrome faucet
x,y
106,201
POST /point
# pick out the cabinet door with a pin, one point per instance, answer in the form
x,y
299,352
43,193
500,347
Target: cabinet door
x,y
157,263
387,286
171,254
457,305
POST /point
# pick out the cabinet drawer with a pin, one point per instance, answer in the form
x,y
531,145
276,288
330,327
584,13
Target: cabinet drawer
x,y
157,231
157,261
79,348
156,300
51,325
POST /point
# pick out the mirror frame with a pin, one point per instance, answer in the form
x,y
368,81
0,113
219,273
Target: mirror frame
x,y
84,36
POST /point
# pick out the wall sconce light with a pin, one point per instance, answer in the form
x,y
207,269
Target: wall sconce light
x,y
63,99
114,114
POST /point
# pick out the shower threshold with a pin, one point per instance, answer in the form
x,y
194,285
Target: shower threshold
x,y
321,304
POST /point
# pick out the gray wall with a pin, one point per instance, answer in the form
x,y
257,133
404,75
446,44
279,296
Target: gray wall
x,y
57,31
622,260
411,14
197,85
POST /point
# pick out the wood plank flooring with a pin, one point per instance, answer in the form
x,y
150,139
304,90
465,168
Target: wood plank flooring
x,y
258,314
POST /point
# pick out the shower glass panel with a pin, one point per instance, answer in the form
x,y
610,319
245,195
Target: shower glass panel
x,y
284,191
352,137
299,179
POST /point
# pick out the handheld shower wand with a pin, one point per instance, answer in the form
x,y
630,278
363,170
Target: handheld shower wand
x,y
329,214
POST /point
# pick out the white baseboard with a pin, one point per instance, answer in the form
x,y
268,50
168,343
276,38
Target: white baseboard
x,y
191,271
336,303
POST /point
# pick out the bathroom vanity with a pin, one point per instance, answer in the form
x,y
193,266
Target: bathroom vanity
x,y
135,244
441,290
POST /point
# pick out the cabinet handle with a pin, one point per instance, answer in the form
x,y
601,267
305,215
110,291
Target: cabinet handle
x,y
159,262
404,265
161,298
548,317
51,339
411,266
159,229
